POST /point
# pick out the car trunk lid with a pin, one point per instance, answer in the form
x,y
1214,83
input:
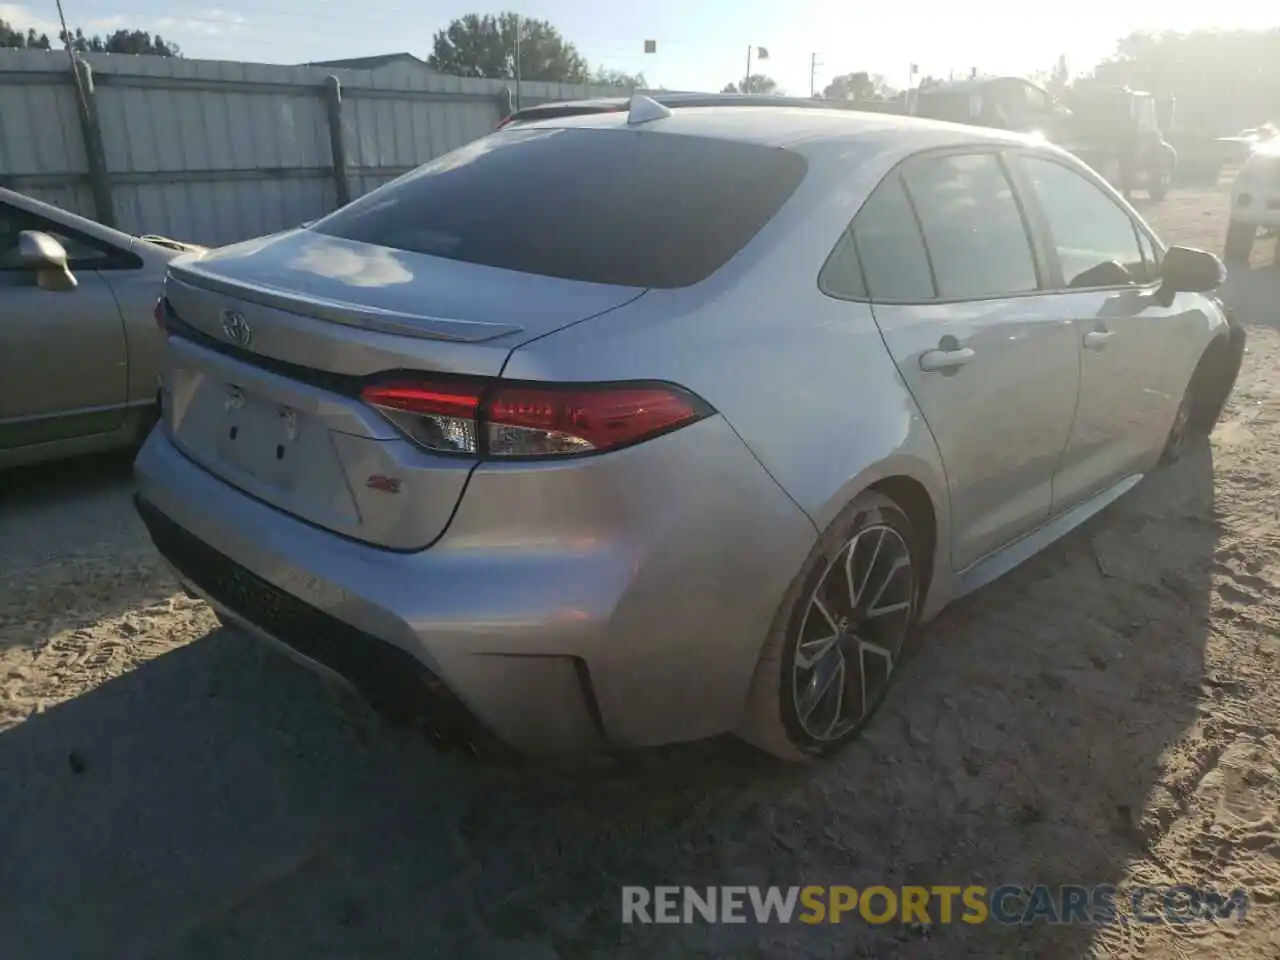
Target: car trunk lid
x,y
273,339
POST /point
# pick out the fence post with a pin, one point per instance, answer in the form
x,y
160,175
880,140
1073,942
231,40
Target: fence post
x,y
94,151
505,106
337,144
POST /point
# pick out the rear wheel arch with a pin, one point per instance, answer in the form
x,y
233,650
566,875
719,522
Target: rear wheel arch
x,y
771,719
762,723
915,480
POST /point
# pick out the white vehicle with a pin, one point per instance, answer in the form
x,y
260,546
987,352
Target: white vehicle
x,y
1255,202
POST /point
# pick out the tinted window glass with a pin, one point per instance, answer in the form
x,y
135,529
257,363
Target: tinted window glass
x,y
1090,231
615,206
1037,99
893,258
1150,253
842,274
972,226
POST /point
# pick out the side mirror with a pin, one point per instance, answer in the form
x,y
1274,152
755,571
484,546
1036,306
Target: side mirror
x,y
45,255
1188,270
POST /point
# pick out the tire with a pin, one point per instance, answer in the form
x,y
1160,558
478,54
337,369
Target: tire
x,y
1206,395
1239,245
855,646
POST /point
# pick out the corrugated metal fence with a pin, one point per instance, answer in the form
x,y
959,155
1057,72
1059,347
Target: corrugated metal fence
x,y
215,151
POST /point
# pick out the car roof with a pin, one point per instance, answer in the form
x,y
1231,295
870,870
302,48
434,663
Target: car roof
x,y
673,99
968,85
785,126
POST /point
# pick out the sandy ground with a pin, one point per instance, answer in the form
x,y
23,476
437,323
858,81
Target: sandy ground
x,y
1110,713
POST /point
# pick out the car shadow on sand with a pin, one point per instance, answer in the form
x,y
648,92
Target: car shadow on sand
x,y
219,801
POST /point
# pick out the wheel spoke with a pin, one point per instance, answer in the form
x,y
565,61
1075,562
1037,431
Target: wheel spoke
x,y
831,650
822,609
900,563
865,646
885,611
838,679
811,651
815,695
855,593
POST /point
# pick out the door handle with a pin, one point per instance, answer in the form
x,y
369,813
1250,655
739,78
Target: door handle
x,y
932,360
1097,339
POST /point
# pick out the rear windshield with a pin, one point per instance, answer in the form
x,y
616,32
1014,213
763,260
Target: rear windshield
x,y
628,207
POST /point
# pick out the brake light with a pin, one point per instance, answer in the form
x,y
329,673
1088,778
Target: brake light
x,y
437,417
502,420
504,121
161,312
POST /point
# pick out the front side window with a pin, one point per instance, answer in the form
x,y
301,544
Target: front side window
x,y
1096,240
82,254
973,228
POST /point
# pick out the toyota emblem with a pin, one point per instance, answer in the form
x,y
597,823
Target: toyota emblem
x,y
236,327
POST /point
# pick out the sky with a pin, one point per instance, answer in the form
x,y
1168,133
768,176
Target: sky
x,y
701,44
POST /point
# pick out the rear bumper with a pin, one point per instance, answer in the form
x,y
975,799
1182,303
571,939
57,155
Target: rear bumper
x,y
560,609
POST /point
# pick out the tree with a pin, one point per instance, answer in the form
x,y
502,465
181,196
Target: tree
x,y
13,37
122,41
1222,80
619,78
858,86
485,46
756,83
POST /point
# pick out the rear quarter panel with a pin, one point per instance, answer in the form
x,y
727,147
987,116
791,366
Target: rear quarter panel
x,y
803,378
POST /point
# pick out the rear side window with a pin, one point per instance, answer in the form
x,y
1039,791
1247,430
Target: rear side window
x,y
842,273
972,226
888,242
627,207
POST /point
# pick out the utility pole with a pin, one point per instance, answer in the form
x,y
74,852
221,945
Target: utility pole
x,y
517,61
746,80
813,73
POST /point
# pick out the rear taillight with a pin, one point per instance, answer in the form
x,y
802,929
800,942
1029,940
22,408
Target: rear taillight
x,y
504,121
437,417
161,314
504,420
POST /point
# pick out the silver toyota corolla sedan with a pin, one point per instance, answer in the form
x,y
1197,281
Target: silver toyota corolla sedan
x,y
642,427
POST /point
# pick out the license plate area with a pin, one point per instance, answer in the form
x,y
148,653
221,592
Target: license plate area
x,y
261,438
279,452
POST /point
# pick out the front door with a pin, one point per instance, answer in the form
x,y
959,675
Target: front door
x,y
993,367
63,357
1133,362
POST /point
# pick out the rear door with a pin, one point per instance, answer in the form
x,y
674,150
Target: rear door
x,y
954,282
1135,351
63,357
